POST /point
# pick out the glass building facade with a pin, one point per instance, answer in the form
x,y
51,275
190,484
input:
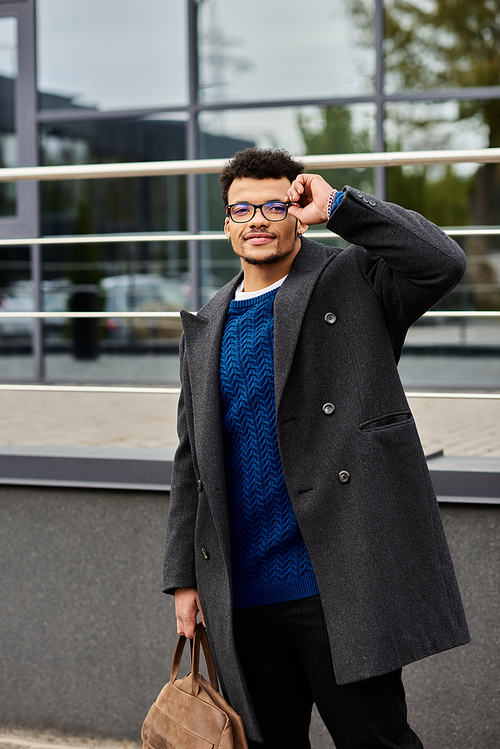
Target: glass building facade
x,y
121,81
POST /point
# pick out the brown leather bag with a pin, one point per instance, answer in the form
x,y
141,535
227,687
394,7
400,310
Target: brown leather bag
x,y
190,713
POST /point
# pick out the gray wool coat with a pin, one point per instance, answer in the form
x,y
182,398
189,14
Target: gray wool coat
x,y
356,473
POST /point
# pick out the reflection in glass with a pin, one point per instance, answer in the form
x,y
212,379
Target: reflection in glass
x,y
16,289
442,193
456,195
275,51
300,130
113,278
114,205
438,125
16,295
438,45
452,356
8,137
116,54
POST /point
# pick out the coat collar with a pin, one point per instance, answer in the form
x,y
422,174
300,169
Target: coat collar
x,y
203,332
213,312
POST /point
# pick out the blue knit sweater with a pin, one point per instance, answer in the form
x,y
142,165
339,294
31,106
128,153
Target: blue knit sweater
x,y
270,562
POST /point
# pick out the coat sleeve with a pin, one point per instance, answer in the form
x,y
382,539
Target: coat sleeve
x,y
410,263
178,565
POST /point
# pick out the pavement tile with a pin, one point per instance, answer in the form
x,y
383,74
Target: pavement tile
x,y
24,739
459,427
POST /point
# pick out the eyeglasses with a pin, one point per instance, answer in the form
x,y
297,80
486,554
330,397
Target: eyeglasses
x,y
272,211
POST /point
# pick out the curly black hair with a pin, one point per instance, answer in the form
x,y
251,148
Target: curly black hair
x,y
259,163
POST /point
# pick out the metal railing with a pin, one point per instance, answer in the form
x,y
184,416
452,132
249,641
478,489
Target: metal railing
x,y
473,314
485,231
213,166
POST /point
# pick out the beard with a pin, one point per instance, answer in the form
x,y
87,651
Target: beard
x,y
267,257
269,260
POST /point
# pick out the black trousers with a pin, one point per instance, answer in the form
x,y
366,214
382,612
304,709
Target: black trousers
x,y
286,659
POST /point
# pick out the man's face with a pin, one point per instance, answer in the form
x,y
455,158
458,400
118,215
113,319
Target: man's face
x,y
261,241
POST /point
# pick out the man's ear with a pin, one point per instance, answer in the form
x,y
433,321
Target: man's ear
x,y
301,228
226,230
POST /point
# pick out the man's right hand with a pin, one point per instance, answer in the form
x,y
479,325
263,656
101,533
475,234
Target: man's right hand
x,y
187,607
309,193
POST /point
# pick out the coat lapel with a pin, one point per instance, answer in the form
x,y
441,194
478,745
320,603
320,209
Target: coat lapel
x,y
290,307
203,336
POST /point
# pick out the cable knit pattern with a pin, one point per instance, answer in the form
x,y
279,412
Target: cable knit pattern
x,y
270,562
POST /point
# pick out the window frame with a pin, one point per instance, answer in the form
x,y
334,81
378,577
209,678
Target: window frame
x,y
25,223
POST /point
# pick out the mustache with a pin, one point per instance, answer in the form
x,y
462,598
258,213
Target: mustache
x,y
258,233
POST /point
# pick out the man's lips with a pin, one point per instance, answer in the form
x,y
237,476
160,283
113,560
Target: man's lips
x,y
257,238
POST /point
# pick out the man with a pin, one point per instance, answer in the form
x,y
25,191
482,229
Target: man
x,y
303,526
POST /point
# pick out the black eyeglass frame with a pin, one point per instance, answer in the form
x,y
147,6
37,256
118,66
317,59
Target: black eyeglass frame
x,y
261,206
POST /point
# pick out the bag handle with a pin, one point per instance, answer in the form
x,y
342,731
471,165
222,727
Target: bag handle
x,y
176,660
200,637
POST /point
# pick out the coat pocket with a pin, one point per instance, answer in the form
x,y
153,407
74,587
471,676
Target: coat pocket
x,y
386,421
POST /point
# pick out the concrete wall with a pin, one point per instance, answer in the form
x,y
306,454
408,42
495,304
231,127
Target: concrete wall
x,y
86,634
454,697
87,637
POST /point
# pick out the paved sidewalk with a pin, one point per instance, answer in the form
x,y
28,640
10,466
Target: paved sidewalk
x,y
459,427
19,739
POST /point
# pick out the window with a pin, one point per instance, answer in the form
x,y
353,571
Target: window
x,y
116,54
8,128
281,51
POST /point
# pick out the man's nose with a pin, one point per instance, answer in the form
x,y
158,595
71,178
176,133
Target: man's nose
x,y
261,218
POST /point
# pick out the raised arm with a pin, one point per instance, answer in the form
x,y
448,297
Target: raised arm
x,y
410,263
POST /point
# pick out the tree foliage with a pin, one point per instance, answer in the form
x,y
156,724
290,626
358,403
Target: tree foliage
x,y
335,133
445,44
436,44
415,189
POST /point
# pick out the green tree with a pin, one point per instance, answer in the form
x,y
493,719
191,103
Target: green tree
x,y
416,189
446,43
436,44
432,44
336,134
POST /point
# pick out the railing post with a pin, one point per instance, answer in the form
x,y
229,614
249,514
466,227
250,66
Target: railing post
x,y
191,153
37,329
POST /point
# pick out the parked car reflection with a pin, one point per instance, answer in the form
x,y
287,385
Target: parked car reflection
x,y
19,297
145,292
136,292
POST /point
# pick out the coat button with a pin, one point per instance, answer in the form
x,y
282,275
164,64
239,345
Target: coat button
x,y
330,318
344,477
199,485
328,408
205,553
